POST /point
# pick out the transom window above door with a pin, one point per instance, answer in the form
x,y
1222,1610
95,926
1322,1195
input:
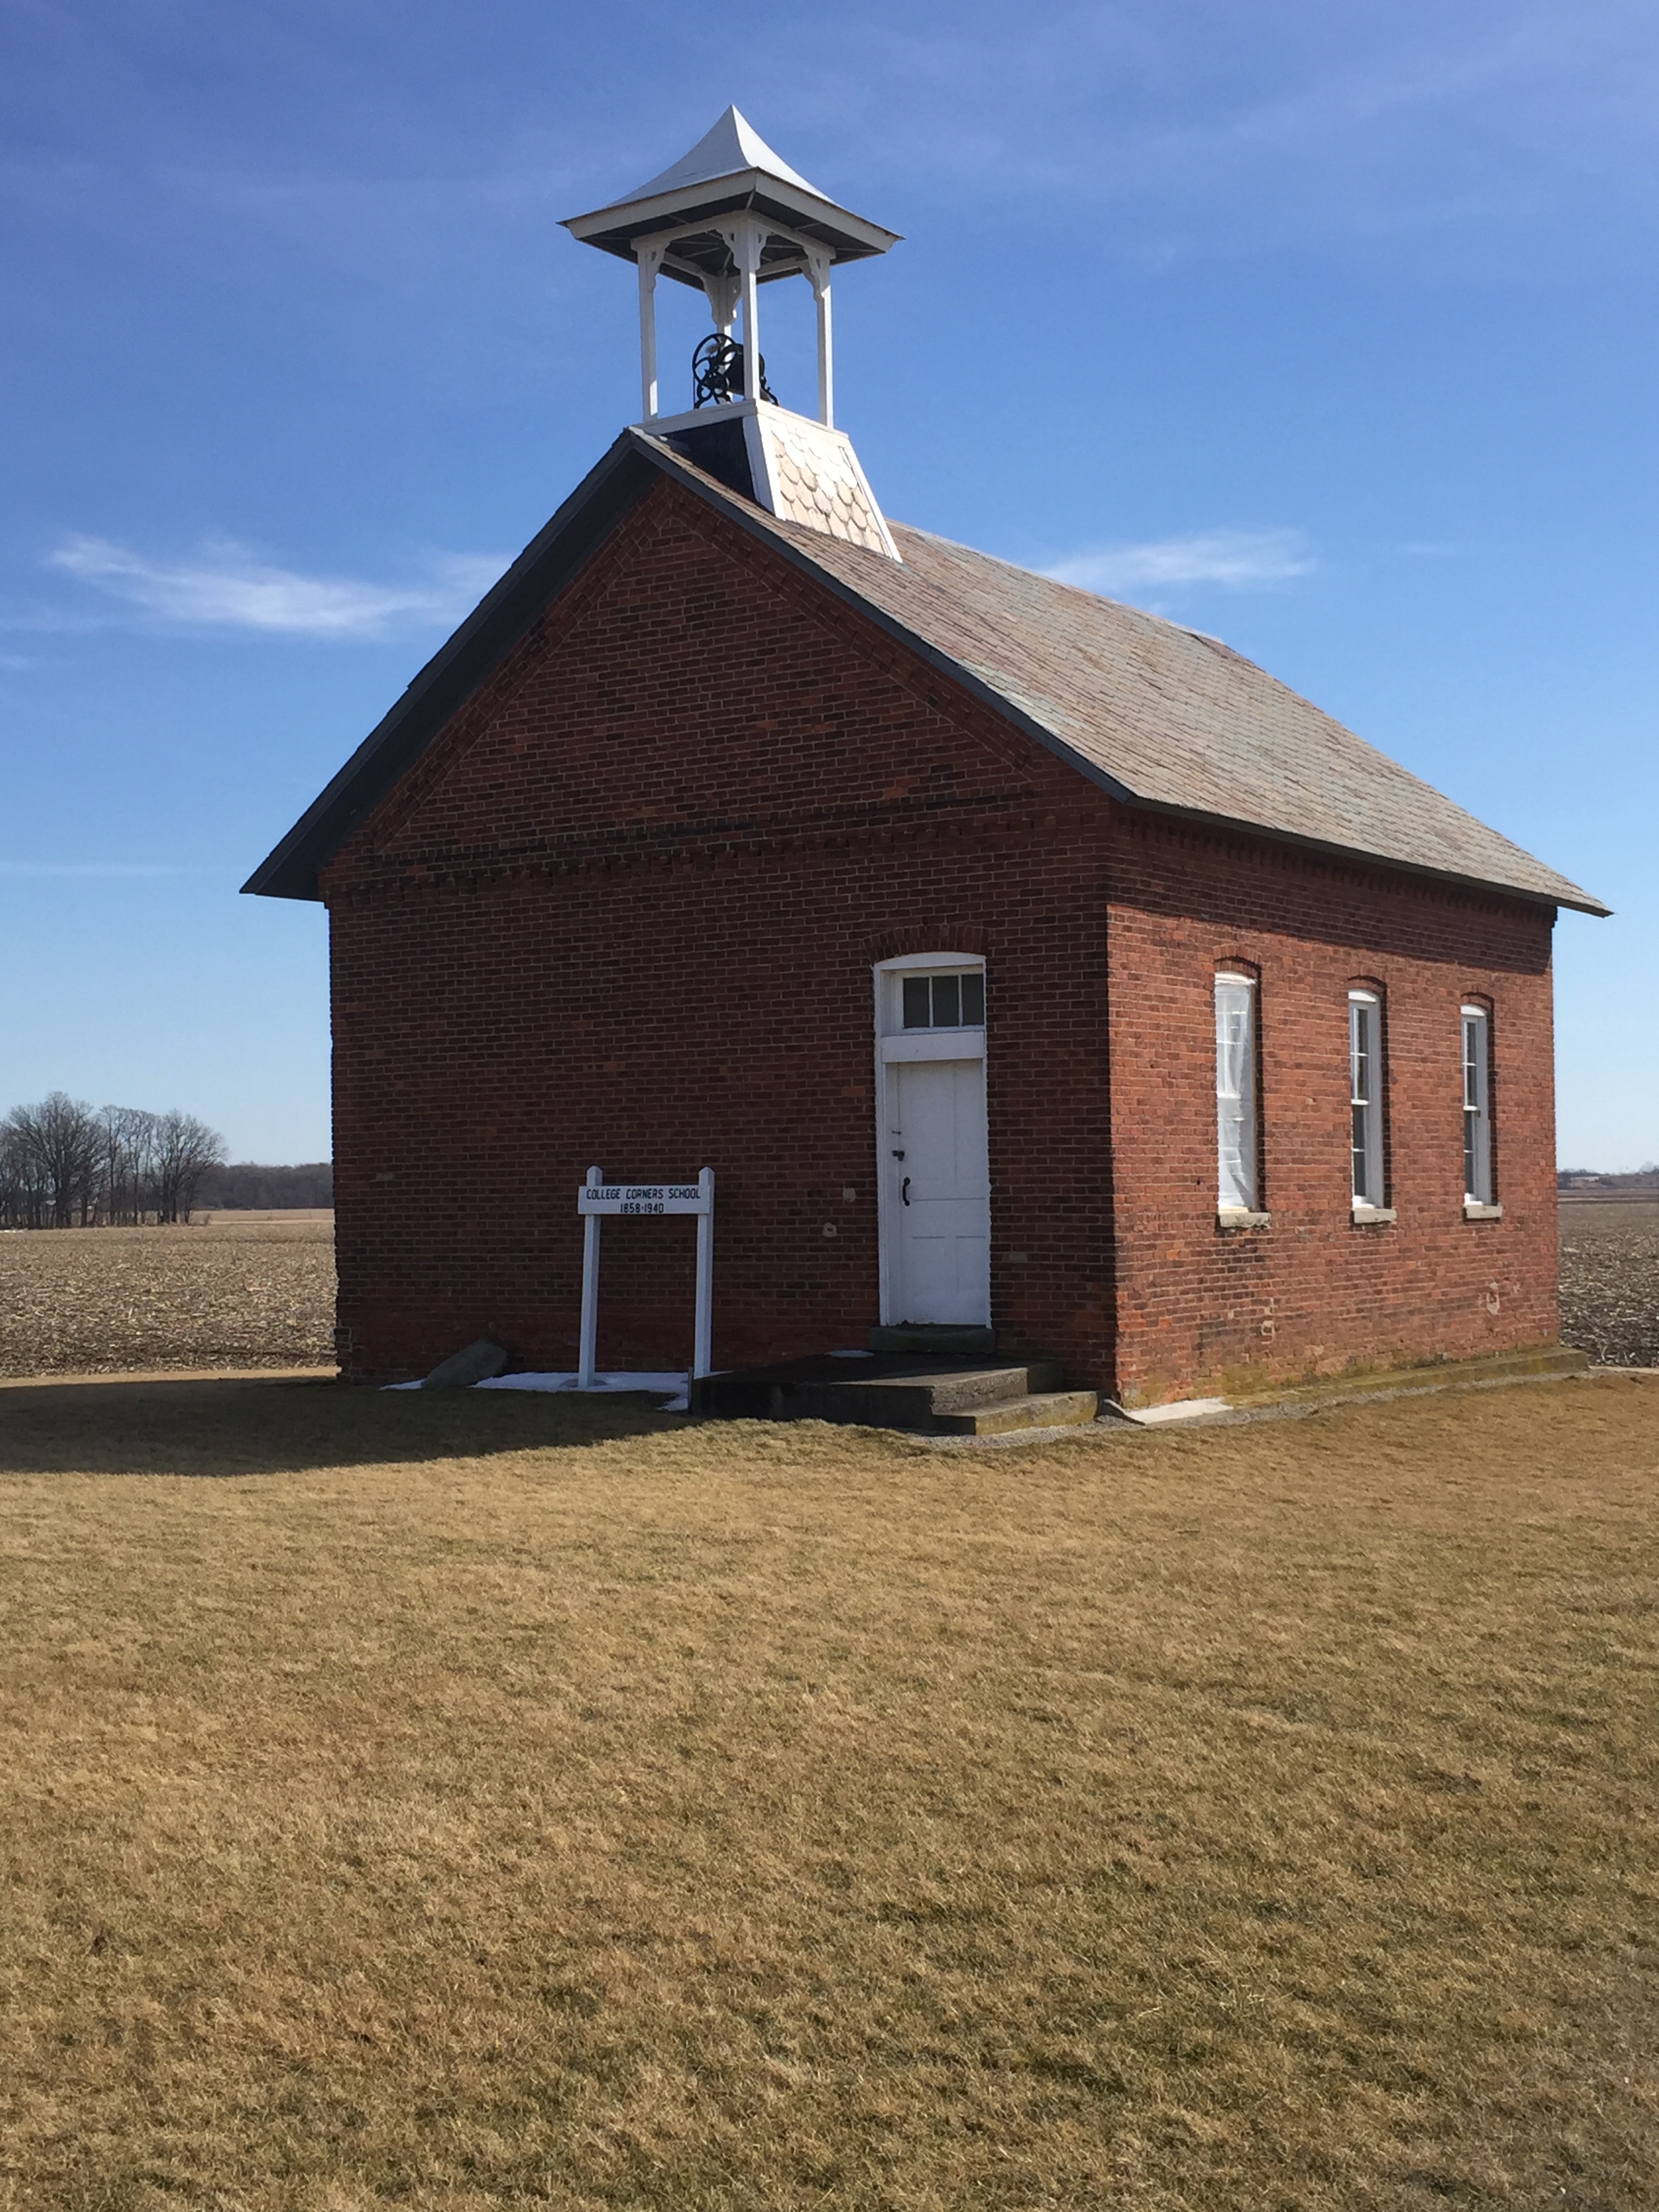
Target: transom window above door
x,y
944,1002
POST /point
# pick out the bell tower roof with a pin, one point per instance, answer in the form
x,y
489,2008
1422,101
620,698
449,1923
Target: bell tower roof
x,y
730,171
732,146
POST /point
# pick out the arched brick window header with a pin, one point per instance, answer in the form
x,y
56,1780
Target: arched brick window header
x,y
932,937
1231,964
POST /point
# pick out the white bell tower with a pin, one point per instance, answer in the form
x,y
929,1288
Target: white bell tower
x,y
728,218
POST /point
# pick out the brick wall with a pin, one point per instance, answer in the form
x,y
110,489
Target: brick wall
x,y
1313,1293
625,909
625,912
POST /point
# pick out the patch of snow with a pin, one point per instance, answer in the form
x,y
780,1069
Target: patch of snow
x,y
1184,1409
675,1387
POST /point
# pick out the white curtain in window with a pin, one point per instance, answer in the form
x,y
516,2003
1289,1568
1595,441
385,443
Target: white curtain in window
x,y
1235,1093
1477,1108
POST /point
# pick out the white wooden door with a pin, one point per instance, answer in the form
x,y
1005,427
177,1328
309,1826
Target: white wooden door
x,y
940,1187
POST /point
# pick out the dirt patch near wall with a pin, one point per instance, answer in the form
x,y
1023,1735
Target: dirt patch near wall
x,y
239,1292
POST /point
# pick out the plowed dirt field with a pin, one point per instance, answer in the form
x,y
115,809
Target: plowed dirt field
x,y
1610,1281
237,1292
258,1290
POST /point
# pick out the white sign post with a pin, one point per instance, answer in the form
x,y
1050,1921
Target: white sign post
x,y
594,1200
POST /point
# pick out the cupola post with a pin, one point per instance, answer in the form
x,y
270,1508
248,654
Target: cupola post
x,y
744,239
650,260
818,259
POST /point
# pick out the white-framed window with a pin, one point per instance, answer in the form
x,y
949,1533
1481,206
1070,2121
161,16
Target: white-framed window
x,y
1237,1183
1477,1107
920,993
939,1001
1366,1098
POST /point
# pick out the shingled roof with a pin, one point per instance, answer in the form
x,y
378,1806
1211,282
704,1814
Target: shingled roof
x,y
1157,715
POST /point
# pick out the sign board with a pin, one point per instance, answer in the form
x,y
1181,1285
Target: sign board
x,y
643,1198
595,1199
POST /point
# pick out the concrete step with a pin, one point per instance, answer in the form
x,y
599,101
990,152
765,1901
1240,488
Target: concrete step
x,y
917,1398
957,1339
1046,1409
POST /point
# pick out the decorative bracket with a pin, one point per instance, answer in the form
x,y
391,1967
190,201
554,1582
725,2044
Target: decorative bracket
x,y
723,292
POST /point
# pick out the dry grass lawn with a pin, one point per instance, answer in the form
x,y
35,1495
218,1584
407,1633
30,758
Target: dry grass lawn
x,y
451,1808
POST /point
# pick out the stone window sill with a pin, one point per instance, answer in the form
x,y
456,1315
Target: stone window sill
x,y
1234,1216
1472,1211
1374,1217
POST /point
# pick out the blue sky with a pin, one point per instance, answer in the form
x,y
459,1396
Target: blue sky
x,y
1329,329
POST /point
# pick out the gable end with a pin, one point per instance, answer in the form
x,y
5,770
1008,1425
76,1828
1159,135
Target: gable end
x,y
546,565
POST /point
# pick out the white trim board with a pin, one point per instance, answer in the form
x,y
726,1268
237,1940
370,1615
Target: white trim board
x,y
932,1044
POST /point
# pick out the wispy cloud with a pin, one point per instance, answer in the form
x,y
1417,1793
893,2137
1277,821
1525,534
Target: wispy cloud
x,y
1234,560
98,871
225,587
1437,129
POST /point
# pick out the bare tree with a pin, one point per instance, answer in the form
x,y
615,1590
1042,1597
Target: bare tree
x,y
61,1164
23,1196
58,1141
127,1134
185,1149
247,1184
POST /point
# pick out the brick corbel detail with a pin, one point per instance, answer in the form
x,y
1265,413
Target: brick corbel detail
x,y
968,936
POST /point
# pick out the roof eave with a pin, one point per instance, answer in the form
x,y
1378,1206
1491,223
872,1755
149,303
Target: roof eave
x,y
615,228
1567,894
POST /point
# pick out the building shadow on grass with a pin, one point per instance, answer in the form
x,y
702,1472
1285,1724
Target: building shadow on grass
x,y
221,1425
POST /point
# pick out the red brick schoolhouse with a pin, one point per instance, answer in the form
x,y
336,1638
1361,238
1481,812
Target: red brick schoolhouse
x,y
1021,962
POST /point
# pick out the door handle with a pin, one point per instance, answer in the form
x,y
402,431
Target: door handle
x,y
905,1192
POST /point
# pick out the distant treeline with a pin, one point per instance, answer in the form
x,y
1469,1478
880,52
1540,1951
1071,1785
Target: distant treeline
x,y
66,1165
244,1185
1645,1178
